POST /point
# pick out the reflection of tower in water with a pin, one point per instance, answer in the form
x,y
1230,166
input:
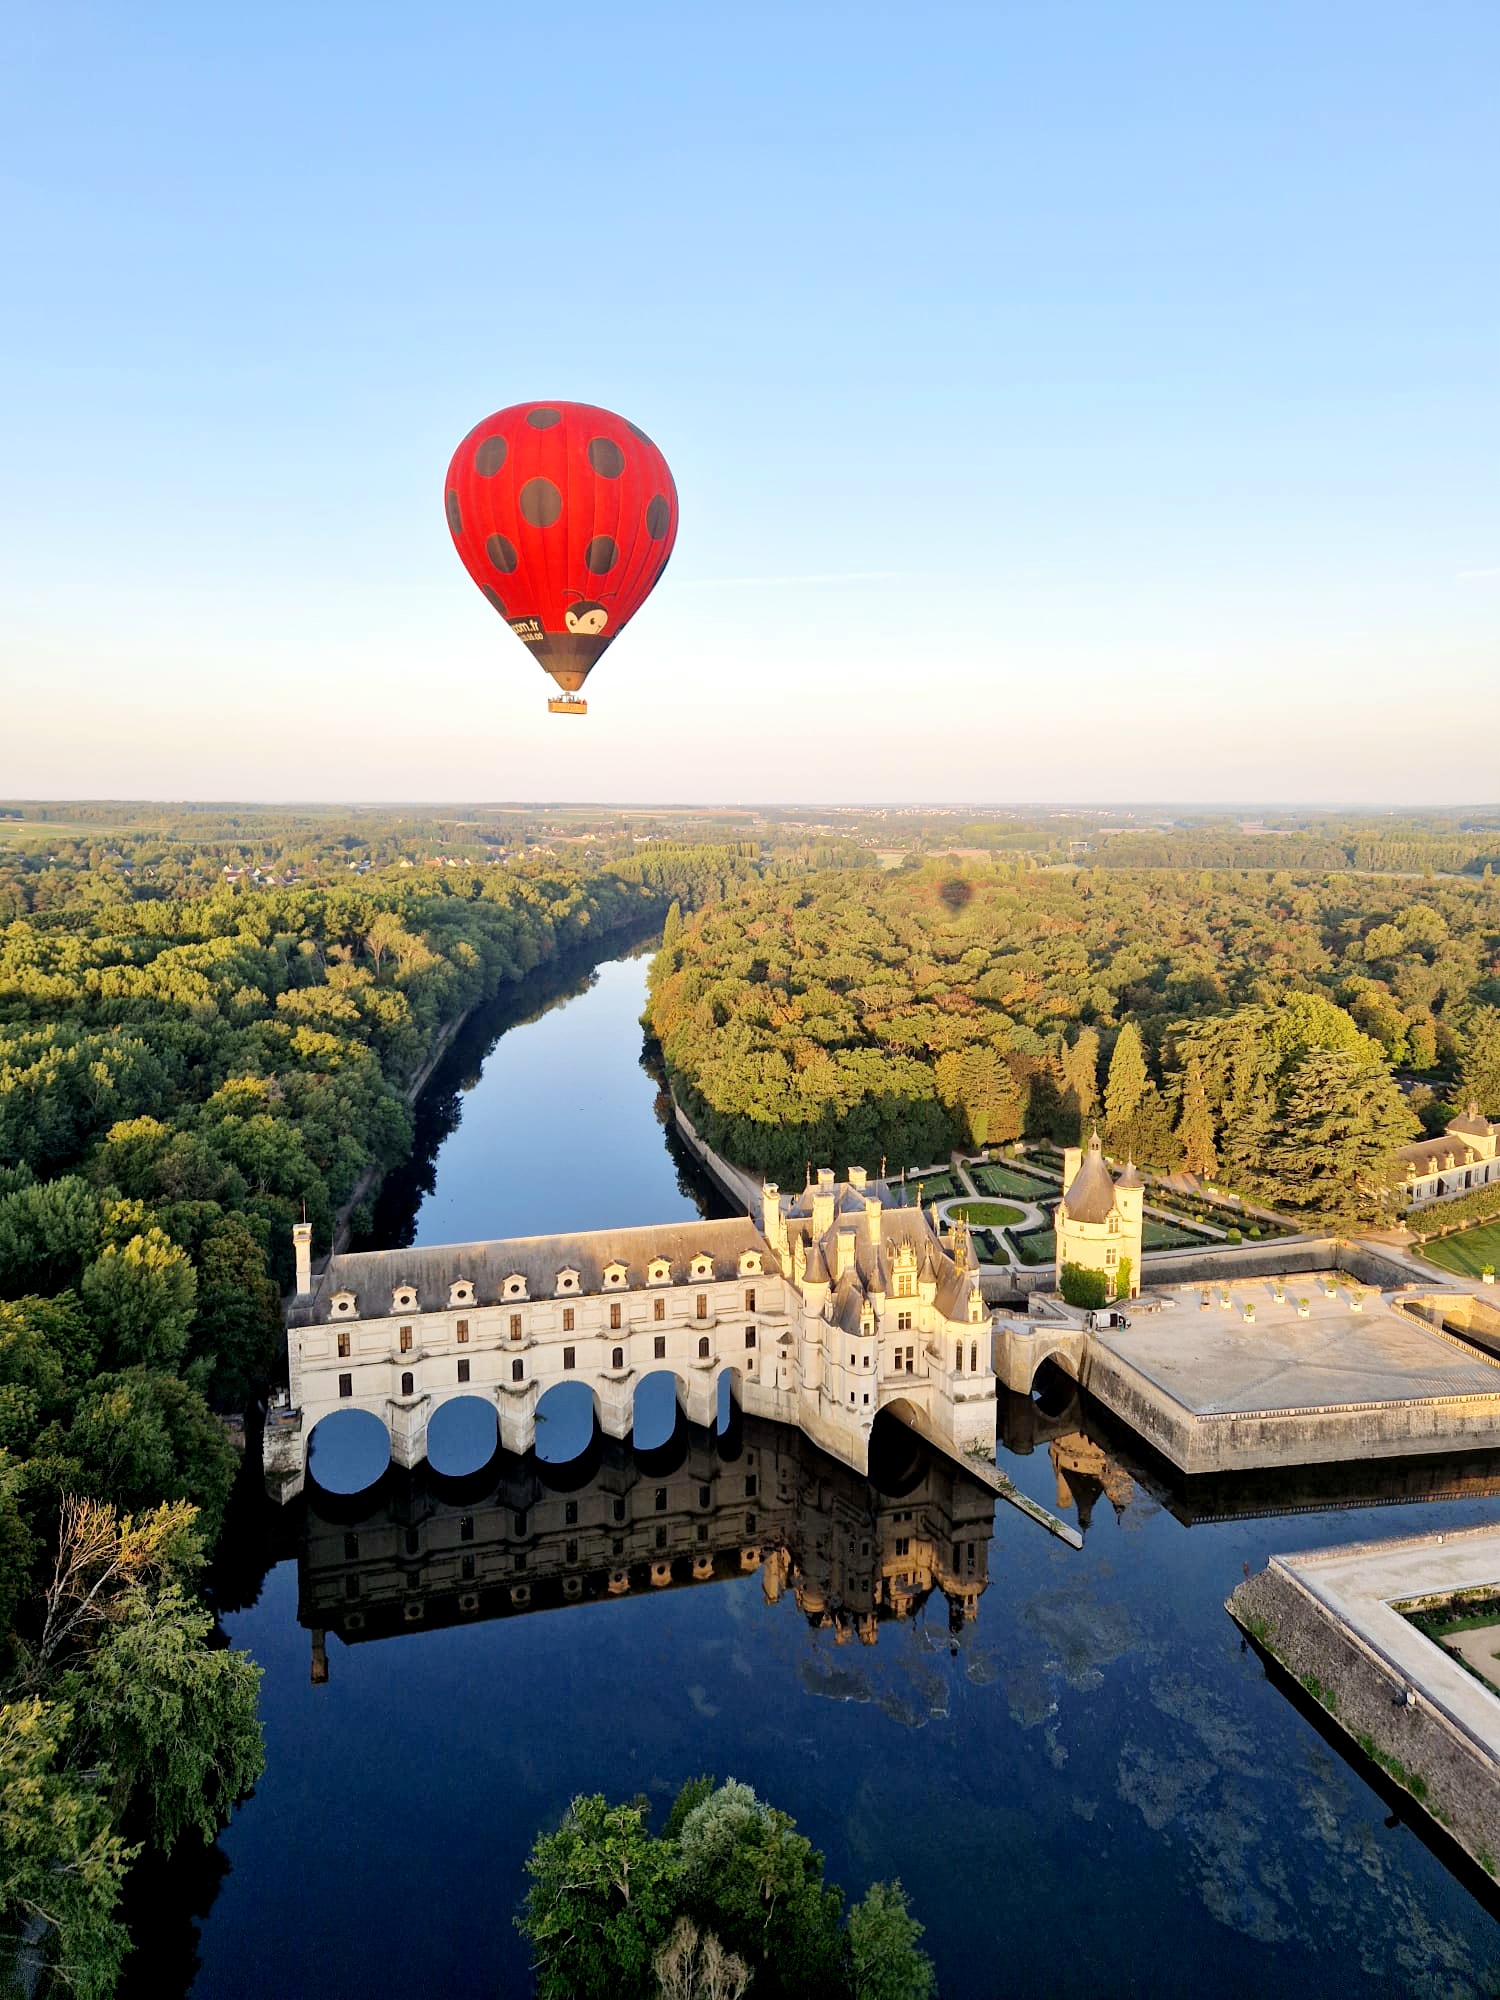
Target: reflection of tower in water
x,y
853,1557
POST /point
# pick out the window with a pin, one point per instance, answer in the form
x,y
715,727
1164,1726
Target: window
x,y
463,1369
661,1538
568,1316
351,1548
661,1499
750,1298
958,1358
351,1586
614,1318
571,1553
906,1285
705,1495
974,1357
462,1330
466,1570
569,1356
903,1545
618,1359
659,1345
413,1542
703,1531
520,1561
520,1524
343,1347
701,1309
749,1524
619,1508
346,1385
867,1399
903,1322
911,1360
617,1547
703,1348
515,1370
406,1340
408,1384
853,1361
570,1514
749,1336
658,1309
1109,1257
466,1528
752,1485
515,1326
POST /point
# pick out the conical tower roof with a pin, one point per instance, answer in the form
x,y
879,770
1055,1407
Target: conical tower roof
x,y
1091,1198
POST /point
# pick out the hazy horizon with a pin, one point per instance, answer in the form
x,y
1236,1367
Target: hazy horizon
x,y
1077,398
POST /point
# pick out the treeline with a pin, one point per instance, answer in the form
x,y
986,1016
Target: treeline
x,y
1244,1024
178,1080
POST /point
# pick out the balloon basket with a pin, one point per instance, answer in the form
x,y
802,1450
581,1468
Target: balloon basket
x,y
568,705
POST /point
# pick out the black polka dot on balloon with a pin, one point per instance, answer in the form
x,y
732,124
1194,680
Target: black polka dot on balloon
x,y
495,598
658,517
606,458
490,457
502,553
540,503
601,554
455,519
543,420
639,433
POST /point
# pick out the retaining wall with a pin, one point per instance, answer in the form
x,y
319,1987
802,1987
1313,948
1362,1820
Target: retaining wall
x,y
1443,1769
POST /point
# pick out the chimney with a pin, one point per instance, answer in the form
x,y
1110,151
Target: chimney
x,y
770,1216
823,1202
846,1252
302,1244
857,1178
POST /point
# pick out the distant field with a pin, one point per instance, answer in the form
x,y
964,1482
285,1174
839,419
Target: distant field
x,y
1467,1255
989,1214
1007,1180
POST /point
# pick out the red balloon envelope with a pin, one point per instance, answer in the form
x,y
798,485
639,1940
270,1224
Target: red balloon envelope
x,y
564,515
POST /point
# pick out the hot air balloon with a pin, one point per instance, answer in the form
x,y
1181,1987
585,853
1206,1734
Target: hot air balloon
x,y
564,515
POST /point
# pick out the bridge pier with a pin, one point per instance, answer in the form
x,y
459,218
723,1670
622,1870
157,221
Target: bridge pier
x,y
515,1407
406,1420
614,1400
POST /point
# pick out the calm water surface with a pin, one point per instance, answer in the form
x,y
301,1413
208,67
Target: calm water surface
x,y
1089,1787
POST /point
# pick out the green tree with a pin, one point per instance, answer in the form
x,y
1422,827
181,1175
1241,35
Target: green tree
x,y
1124,1275
1332,1155
884,1961
1080,1067
61,1863
141,1437
141,1299
1479,1071
1083,1289
1195,1128
1126,1083
601,1903
175,1721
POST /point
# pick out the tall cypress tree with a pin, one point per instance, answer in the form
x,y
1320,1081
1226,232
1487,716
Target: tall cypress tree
x,y
1126,1085
1195,1128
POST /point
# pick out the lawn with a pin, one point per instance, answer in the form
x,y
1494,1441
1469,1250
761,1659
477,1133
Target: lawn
x,y
988,1214
935,1187
1036,1246
1157,1235
1468,1253
991,1248
1009,1180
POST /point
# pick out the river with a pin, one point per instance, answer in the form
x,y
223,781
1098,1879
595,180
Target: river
x,y
1088,1786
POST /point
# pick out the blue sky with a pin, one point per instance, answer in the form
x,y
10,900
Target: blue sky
x,y
1066,400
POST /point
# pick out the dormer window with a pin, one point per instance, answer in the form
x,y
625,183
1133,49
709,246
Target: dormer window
x,y
567,1281
703,1267
614,1276
343,1304
749,1263
659,1272
515,1286
404,1299
461,1293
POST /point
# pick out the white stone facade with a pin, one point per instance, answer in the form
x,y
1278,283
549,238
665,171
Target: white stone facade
x,y
839,1304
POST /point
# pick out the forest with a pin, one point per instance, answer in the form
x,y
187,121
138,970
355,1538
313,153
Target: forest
x,y
1283,1031
181,1077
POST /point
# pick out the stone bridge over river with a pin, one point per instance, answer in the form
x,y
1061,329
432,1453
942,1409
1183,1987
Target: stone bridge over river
x,y
831,1306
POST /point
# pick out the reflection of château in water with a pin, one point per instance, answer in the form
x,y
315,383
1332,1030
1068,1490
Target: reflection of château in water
x,y
1095,1457
853,1555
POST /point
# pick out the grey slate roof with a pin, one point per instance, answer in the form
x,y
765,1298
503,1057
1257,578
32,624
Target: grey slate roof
x,y
372,1275
1092,1194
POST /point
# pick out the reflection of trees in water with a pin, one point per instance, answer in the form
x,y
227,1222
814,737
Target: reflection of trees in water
x,y
704,1508
439,1110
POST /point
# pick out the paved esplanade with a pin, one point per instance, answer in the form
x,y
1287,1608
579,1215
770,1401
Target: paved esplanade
x,y
1217,1362
1360,1586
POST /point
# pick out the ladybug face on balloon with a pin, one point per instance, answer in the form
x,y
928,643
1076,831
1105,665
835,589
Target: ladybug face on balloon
x,y
564,515
586,617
